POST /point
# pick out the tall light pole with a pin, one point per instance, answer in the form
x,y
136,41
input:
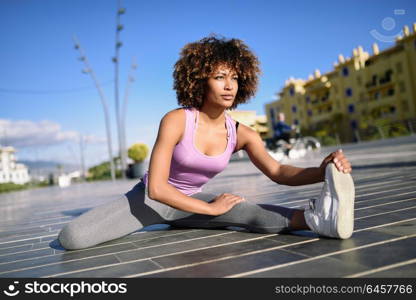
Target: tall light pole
x,y
82,149
124,111
115,59
90,71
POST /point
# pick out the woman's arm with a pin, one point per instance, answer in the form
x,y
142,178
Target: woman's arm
x,y
171,129
250,141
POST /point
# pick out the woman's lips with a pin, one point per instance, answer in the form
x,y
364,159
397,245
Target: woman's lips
x,y
227,97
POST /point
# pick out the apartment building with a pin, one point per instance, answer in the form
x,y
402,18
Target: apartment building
x,y
360,91
10,171
251,119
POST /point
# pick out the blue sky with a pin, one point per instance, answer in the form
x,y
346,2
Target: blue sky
x,y
45,100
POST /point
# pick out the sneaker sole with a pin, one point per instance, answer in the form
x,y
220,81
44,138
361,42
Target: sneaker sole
x,y
345,191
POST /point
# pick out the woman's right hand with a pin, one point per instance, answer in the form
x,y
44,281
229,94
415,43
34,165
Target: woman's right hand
x,y
224,203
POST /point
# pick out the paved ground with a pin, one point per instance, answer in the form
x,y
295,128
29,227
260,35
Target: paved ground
x,y
383,243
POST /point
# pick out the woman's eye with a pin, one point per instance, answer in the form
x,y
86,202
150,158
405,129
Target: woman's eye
x,y
219,77
235,78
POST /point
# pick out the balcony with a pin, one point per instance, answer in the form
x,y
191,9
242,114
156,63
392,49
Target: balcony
x,y
324,115
381,81
383,100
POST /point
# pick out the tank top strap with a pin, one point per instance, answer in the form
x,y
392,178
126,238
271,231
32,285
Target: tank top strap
x,y
187,135
192,118
228,123
231,130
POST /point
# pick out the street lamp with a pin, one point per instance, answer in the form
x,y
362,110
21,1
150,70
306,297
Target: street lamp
x,y
89,70
115,59
124,111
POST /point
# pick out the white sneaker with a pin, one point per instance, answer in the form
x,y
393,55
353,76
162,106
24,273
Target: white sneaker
x,y
332,214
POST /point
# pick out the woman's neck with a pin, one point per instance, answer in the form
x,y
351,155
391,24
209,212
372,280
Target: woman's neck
x,y
213,116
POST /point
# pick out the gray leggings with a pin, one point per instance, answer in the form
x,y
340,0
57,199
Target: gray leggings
x,y
135,210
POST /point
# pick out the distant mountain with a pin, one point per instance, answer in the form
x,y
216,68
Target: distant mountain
x,y
43,168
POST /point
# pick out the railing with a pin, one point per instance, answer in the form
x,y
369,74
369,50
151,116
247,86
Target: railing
x,y
372,133
393,129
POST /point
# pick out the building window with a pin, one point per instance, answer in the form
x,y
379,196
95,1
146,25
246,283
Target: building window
x,y
390,92
377,95
405,105
308,99
296,122
399,67
272,114
309,113
292,91
402,87
371,83
387,77
392,109
351,108
348,92
353,124
345,71
294,109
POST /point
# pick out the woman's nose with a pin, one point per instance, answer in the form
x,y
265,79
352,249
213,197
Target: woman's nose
x,y
228,84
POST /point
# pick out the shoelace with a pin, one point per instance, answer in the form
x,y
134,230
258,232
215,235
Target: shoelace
x,y
312,203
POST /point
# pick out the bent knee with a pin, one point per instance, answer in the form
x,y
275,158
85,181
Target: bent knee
x,y
71,238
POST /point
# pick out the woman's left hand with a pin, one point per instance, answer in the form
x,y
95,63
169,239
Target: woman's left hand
x,y
340,161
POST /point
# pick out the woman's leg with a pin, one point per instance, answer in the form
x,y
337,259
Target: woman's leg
x,y
112,220
264,218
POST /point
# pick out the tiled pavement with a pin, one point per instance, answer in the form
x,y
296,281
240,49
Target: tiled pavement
x,y
383,243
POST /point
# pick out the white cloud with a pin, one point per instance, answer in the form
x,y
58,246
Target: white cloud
x,y
25,133
45,140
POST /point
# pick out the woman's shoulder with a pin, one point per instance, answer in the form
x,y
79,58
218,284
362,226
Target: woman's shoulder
x,y
175,115
174,123
246,133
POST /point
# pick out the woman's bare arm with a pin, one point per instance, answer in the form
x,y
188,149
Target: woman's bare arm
x,y
250,141
172,126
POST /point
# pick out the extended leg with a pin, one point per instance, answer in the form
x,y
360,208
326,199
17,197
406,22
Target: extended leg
x,y
254,217
109,221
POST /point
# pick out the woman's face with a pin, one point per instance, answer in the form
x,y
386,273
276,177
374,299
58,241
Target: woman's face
x,y
222,87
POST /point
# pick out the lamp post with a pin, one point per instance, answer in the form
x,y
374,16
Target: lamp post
x,y
124,111
89,70
82,149
115,59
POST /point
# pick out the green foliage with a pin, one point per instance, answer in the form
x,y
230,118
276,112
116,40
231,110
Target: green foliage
x,y
9,187
396,130
383,128
138,152
103,171
325,139
370,133
328,141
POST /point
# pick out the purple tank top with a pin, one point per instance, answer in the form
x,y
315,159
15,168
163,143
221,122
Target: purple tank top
x,y
190,169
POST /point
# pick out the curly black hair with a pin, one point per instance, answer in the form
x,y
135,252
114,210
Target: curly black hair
x,y
199,59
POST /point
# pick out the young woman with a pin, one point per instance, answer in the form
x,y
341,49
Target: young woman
x,y
195,142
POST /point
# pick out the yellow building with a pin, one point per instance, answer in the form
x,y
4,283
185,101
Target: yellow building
x,y
361,91
250,119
